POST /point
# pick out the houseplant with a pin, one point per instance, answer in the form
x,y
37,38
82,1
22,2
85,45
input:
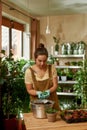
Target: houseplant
x,y
56,48
64,73
70,74
14,94
81,87
64,49
82,46
3,72
51,114
10,102
59,73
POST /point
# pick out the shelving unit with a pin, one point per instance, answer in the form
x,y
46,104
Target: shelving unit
x,y
66,94
72,67
75,56
68,83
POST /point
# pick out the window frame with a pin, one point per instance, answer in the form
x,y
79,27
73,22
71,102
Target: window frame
x,y
13,25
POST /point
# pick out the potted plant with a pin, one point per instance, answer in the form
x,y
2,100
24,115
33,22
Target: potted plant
x,y
74,47
3,73
64,73
64,49
59,73
56,49
80,88
13,88
51,114
82,46
70,74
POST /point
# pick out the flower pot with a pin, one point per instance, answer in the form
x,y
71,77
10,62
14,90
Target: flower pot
x,y
69,52
63,78
10,124
51,117
75,52
81,51
56,53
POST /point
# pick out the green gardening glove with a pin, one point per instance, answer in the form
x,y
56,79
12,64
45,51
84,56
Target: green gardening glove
x,y
39,94
43,95
46,94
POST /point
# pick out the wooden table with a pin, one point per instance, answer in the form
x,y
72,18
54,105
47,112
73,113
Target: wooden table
x,y
32,123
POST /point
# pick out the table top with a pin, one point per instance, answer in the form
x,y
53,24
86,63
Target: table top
x,y
32,123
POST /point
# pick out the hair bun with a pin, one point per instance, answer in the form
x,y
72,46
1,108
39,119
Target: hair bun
x,y
41,45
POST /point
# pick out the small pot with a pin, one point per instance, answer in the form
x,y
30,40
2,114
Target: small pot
x,y
63,78
51,117
56,52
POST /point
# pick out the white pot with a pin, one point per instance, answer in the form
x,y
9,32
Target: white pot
x,y
81,51
63,78
75,52
56,52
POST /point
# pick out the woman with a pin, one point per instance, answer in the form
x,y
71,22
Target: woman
x,y
41,78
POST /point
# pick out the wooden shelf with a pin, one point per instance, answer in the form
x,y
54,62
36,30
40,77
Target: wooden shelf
x,y
72,67
69,56
67,82
66,94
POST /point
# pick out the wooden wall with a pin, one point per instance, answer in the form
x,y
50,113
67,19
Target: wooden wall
x,y
70,28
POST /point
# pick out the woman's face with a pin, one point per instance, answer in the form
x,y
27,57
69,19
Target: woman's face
x,y
41,61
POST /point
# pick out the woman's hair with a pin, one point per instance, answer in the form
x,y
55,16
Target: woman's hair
x,y
41,50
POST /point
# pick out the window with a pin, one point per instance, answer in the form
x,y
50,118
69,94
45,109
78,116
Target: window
x,y
14,38
26,46
5,39
16,42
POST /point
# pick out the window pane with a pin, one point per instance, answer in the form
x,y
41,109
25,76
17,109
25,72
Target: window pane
x,y
26,46
5,39
17,43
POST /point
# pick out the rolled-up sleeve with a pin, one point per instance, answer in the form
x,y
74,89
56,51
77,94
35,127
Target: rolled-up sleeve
x,y
28,77
54,71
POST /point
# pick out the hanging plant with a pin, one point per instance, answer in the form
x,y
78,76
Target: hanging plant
x,y
56,41
81,87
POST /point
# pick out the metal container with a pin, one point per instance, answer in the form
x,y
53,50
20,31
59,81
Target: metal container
x,y
39,107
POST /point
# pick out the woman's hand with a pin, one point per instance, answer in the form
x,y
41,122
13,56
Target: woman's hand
x,y
39,94
46,93
43,95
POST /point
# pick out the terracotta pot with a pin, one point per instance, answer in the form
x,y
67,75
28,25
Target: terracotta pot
x,y
10,124
51,117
